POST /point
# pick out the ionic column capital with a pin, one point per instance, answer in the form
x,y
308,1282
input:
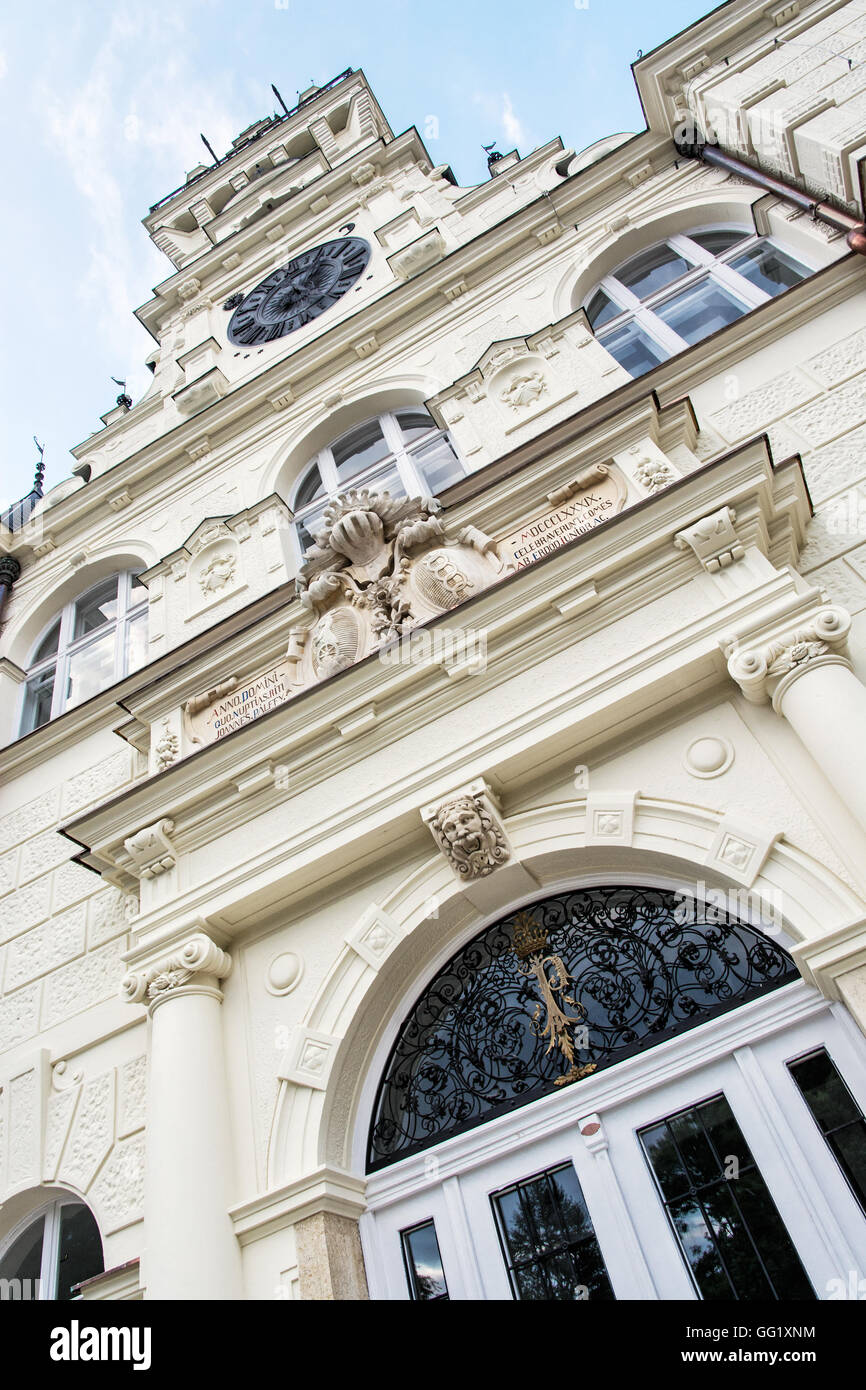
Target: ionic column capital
x,y
764,671
194,965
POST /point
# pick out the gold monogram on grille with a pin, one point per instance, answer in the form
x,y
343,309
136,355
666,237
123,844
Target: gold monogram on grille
x,y
529,943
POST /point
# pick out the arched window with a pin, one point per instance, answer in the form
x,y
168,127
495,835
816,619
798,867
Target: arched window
x,y
666,298
95,640
401,452
58,1247
556,992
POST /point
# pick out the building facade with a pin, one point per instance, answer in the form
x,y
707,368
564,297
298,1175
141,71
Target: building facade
x,y
433,771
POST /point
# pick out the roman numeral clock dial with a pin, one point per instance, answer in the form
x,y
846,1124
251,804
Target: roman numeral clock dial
x,y
297,293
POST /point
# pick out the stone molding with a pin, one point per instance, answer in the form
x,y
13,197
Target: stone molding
x,y
151,851
766,670
468,830
713,539
197,956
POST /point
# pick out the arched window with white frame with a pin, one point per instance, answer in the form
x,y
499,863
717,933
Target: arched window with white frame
x,y
402,452
671,295
47,1255
95,640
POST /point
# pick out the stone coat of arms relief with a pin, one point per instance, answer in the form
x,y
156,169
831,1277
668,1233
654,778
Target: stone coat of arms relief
x,y
378,568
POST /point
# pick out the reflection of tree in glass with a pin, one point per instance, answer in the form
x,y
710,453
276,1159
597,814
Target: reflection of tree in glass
x,y
731,1233
551,1244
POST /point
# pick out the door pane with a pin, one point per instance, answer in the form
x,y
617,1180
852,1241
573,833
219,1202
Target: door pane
x,y
424,1264
548,1239
80,1255
733,1239
23,1262
700,311
837,1114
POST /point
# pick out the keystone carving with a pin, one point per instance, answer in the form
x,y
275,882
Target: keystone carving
x,y
766,671
197,956
713,539
468,830
151,851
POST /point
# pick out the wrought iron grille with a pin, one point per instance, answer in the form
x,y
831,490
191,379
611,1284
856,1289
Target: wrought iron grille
x,y
561,989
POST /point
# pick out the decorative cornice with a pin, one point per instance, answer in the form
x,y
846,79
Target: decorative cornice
x,y
764,672
197,956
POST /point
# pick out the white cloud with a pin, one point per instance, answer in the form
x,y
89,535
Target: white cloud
x,y
513,128
127,131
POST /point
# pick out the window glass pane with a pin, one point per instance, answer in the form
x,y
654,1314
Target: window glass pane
x,y
424,1264
437,465
23,1262
414,423
652,270
548,1239
136,642
729,1230
359,450
769,268
137,592
387,481
717,242
97,607
838,1115
601,309
700,311
37,701
80,1255
91,670
311,488
309,525
633,349
49,644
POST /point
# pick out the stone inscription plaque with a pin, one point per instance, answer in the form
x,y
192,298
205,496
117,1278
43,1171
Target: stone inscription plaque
x,y
551,530
242,705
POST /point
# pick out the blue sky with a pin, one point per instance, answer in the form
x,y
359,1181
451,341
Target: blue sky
x,y
102,105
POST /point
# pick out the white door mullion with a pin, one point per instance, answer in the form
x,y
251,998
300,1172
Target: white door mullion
x,y
50,1253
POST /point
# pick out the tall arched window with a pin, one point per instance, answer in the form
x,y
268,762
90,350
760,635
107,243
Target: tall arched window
x,y
95,640
57,1248
681,290
401,452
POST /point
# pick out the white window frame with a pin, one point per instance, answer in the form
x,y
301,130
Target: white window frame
x,y
400,457
704,265
50,1265
69,647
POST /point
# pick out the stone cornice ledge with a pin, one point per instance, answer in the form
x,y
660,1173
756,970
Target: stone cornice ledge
x,y
328,1189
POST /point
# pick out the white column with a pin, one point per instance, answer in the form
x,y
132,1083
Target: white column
x,y
812,685
191,1251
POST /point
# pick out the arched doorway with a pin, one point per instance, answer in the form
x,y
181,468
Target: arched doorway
x,y
619,1091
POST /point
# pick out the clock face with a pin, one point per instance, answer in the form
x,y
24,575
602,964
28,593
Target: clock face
x,y
298,292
